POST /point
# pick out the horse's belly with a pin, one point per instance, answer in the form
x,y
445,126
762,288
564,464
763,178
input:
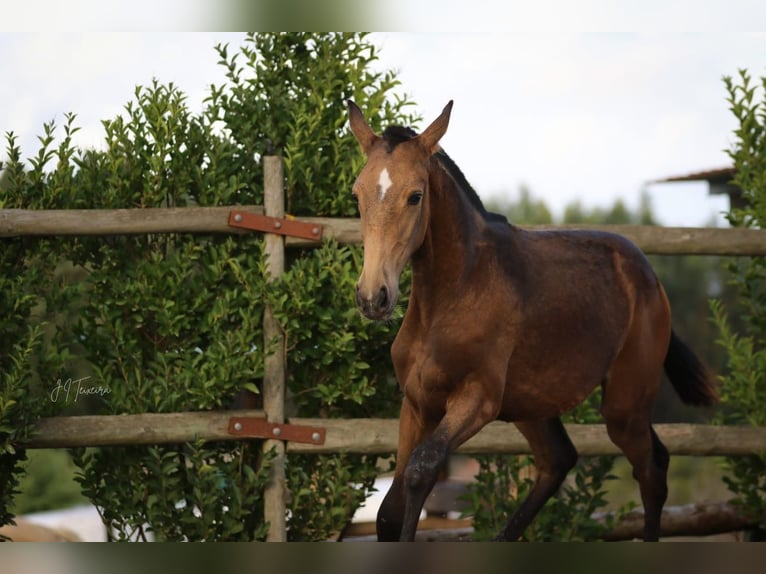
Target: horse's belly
x,y
544,397
549,374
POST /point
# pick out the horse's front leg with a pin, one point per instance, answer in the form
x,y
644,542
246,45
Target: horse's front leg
x,y
468,411
391,512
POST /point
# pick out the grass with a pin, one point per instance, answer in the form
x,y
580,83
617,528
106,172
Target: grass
x,y
48,483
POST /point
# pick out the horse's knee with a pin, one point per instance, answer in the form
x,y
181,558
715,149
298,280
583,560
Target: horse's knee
x,y
554,470
558,462
424,465
630,434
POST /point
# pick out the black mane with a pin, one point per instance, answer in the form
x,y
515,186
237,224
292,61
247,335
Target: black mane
x,y
394,135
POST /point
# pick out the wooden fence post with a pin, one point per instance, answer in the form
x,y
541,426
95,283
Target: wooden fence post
x,y
275,495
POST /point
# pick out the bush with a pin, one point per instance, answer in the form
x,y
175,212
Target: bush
x,y
744,384
29,355
172,323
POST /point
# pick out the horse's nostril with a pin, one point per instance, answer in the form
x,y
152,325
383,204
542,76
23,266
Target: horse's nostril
x,y
383,298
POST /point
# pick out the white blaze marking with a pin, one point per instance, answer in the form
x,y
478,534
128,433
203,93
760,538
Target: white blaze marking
x,y
384,182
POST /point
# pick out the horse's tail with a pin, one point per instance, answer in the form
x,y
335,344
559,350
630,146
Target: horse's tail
x,y
690,378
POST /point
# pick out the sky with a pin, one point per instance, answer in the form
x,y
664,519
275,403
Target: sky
x,y
573,116
587,117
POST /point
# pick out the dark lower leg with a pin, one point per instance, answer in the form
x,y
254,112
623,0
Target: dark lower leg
x,y
554,457
419,478
391,513
649,459
545,486
654,488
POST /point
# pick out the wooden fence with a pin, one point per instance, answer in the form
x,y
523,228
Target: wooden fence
x,y
651,239
356,435
371,436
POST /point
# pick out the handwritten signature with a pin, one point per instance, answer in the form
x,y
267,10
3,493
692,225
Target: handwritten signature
x,y
75,388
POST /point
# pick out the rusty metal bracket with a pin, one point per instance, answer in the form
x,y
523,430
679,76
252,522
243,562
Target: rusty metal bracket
x,y
281,226
252,427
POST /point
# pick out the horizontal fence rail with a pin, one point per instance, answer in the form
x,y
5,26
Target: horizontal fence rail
x,y
68,222
370,436
74,222
147,428
380,436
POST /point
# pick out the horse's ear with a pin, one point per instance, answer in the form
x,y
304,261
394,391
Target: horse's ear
x,y
429,139
362,132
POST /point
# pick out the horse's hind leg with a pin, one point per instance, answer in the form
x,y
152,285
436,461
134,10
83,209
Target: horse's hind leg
x,y
650,460
555,455
629,392
626,405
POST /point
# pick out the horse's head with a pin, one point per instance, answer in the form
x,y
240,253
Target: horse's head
x,y
393,198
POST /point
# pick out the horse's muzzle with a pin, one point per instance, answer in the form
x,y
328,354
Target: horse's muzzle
x,y
377,306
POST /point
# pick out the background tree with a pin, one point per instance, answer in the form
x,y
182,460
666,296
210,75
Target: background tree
x,y
4,179
525,208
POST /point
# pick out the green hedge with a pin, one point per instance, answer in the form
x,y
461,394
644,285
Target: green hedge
x,y
744,337
171,323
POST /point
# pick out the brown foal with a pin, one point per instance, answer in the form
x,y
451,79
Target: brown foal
x,y
507,324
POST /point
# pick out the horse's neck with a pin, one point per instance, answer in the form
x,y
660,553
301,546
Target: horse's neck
x,y
449,247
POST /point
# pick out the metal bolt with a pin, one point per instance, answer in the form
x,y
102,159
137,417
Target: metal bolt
x,y
278,224
237,427
315,437
315,231
238,218
277,431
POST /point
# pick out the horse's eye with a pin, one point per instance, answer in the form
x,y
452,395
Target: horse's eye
x,y
415,198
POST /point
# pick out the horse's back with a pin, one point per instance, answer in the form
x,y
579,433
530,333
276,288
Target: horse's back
x,y
585,258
